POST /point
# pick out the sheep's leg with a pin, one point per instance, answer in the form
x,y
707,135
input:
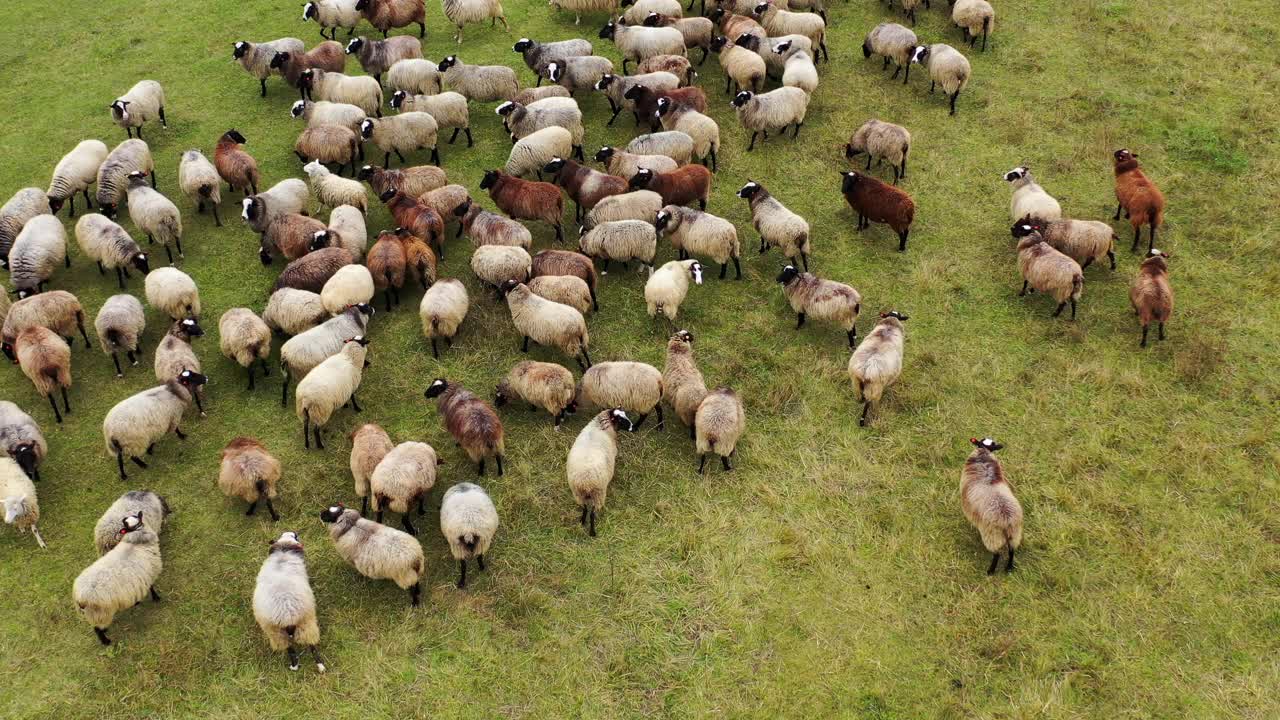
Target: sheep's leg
x,y
702,463
587,358
1023,291
364,505
1150,245
662,421
462,574
54,404
886,64
480,468
115,358
592,530
408,526
724,268
167,251
253,508
715,164
906,76
1137,238
102,635
422,506
1073,308
1058,311
752,146
932,85
559,233
866,406
306,429
396,291
138,461
319,442
414,593
1111,255
87,201
995,560
284,391
199,405
498,459
1119,207
799,320
805,259
66,406
724,460
386,294
422,33
954,95
853,337
293,654
524,346
1161,336
386,161
251,376
902,239
354,405
897,69
896,174
737,269
480,562
435,156
583,520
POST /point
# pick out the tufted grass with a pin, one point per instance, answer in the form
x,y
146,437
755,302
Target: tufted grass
x,y
832,574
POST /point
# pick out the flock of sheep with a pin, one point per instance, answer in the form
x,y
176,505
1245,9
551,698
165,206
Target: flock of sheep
x,y
324,297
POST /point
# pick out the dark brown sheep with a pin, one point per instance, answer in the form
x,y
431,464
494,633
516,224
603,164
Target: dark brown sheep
x,y
311,271
646,101
416,217
327,56
235,166
585,186
1150,294
876,201
526,199
1141,200
386,261
388,14
291,235
678,187
567,262
472,423
420,261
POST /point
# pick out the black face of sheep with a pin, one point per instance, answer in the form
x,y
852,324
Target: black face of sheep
x,y
462,209
522,44
651,20
603,154
7,349
555,72
554,166
25,456
355,45
264,256
781,48
306,80
397,99
136,179
362,5
1016,174
118,109
633,92
1024,229
760,9
140,262
696,271
387,195
788,274
664,106
749,190
505,108
661,221
131,523
364,309
605,81
608,30
920,54
716,15
319,241
191,327
191,380
298,108
310,11
332,513
366,172
490,179
500,397
741,98
234,136
279,59
107,209
507,286
684,336
366,129
850,181
437,388
1122,155
620,420
851,152
988,443
718,42
447,63
895,314
240,49
641,179
252,208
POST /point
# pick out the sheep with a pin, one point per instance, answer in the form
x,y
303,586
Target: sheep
x,y
313,270
199,180
328,144
154,509
741,66
154,214
895,43
25,204
1048,270
18,496
417,219
676,65
304,351
362,91
679,187
412,181
119,324
777,22
540,384
718,424
402,479
695,232
21,439
633,386
256,58
346,230
36,253
376,551
285,197
45,359
461,12
143,102
488,228
351,285
580,6
1150,294
947,67
468,520
564,289
121,578
175,354
404,132
778,226
646,100
444,306
697,31
774,110
637,43
800,72
547,323
327,56
1141,200
173,293
638,10
667,287
495,264
1081,240
704,131
881,141
448,109
134,425
538,56
291,311
877,362
579,73
369,444
377,56
973,16
735,25
775,51
526,200
244,337
674,144
682,385
623,164
1029,198
529,96
523,121
123,159
615,89
74,173
481,83
621,240
57,310
4,307
810,295
331,15
591,462
250,473
446,201
332,190
473,424
283,604
567,262
328,113
988,502
875,201
388,14
329,386
414,76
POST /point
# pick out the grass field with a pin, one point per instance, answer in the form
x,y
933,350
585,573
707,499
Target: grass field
x,y
832,574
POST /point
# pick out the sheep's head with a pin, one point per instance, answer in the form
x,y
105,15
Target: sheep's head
x,y
314,168
447,63
850,181
759,10
436,388
299,107
307,80
749,190
319,240
603,154
130,523
508,285
618,418
24,293
15,506
287,542
919,54
190,327
742,98
397,99
605,81
364,309
895,314
505,108
310,12
489,180
251,208
190,379
463,208
7,349
363,5
986,443
141,262
782,48
1024,228
695,269
664,106
717,15
653,19
120,110
608,30
239,50
264,255
355,45
634,92
788,274
25,455
1017,173
366,128
366,172
332,513
556,164
554,72
279,59
1123,155
684,337
387,195
108,211
662,221
1156,252
523,44
502,394
137,178
641,179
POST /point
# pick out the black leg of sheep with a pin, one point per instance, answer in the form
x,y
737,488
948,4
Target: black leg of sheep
x,y
462,574
102,635
995,560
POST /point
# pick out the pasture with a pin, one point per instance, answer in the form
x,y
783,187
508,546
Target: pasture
x,y
831,574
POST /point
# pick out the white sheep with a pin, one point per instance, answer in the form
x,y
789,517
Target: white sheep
x,y
947,67
591,462
121,578
694,232
154,214
577,7
1029,199
443,308
129,156
329,386
495,264
173,293
718,425
39,250
880,141
468,520
638,43
565,289
369,444
988,502
532,153
143,102
245,338
778,226
174,353
199,180
448,108
74,173
119,324
461,12
635,205
286,197
771,111
154,509
633,386
481,83
828,300
667,287
250,473
704,131
674,144
579,73
546,385
402,133
134,425
547,323
377,551
292,311
283,604
683,387
402,479
621,240
877,362
777,22
331,15
309,348
25,204
256,58
347,229
329,113
18,495
362,91
21,439
351,285
334,190
414,76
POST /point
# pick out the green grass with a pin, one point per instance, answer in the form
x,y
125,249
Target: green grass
x,y
832,574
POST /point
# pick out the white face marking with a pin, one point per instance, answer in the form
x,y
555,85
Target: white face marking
x,y
288,537
246,203
132,522
1154,252
697,274
366,126
988,442
12,507
437,383
185,374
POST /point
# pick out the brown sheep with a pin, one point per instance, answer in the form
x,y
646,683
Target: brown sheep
x,y
416,217
45,358
419,260
388,14
988,502
876,201
734,26
291,234
1049,271
679,187
567,262
526,199
234,165
646,101
412,181
311,271
1141,200
472,423
584,185
327,56
249,472
675,64
1150,294
386,261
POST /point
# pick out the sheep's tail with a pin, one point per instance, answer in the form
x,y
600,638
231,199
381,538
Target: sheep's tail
x,y
113,337
435,324
205,191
